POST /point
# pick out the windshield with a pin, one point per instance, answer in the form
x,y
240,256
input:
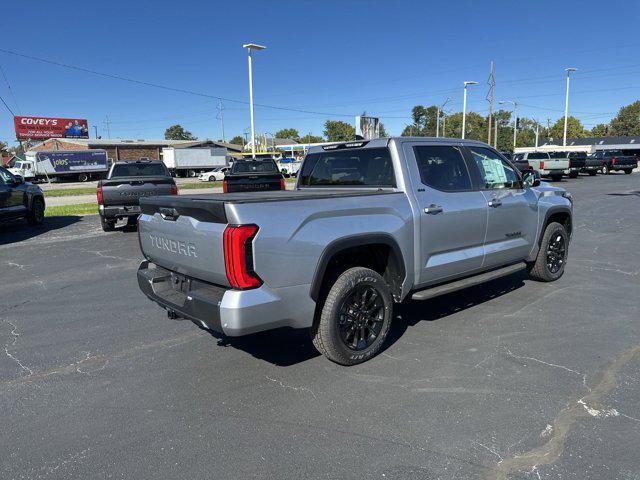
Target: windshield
x,y
255,166
18,165
367,167
139,170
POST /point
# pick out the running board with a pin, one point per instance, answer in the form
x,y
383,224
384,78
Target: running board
x,y
467,282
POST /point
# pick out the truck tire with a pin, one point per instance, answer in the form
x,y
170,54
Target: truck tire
x,y
212,178
555,177
35,216
107,225
354,318
552,256
592,173
573,175
83,177
628,171
605,170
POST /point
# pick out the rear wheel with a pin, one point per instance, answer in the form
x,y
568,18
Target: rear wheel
x,y
556,177
552,256
355,317
628,171
107,225
83,177
592,173
605,170
573,175
36,213
212,178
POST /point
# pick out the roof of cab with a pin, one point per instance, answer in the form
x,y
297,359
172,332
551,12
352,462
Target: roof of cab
x,y
383,142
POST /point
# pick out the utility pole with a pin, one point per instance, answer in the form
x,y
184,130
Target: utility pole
x,y
440,110
95,129
495,136
566,105
537,133
220,116
107,124
491,84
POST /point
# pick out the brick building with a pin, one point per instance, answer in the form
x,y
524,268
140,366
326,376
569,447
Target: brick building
x,y
121,149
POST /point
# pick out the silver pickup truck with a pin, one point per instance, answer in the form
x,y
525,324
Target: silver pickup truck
x,y
368,225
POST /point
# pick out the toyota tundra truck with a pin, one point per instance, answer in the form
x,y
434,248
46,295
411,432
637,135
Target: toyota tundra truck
x,y
368,225
553,165
119,194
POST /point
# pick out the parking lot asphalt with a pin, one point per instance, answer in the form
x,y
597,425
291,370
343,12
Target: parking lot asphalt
x,y
511,379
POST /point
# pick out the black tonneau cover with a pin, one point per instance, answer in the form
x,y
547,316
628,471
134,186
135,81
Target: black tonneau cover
x,y
209,207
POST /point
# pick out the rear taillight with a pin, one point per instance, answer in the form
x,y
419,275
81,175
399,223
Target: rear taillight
x,y
282,184
174,189
224,186
99,194
238,256
541,164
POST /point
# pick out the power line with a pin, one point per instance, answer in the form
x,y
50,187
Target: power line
x,y
9,87
6,105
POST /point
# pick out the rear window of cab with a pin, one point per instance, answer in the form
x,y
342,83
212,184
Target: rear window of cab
x,y
367,167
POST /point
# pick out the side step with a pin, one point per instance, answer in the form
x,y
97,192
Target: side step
x,y
467,282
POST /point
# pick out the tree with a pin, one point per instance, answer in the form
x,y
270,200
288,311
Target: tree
x,y
288,133
339,131
176,132
574,129
627,122
3,148
600,130
237,140
310,139
382,132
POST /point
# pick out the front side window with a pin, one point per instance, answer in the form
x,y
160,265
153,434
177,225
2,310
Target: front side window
x,y
495,172
442,168
368,167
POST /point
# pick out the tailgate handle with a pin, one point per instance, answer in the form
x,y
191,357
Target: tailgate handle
x,y
168,213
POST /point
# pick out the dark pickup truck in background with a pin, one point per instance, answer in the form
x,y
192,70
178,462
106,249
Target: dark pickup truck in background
x,y
119,194
577,163
256,175
520,163
615,160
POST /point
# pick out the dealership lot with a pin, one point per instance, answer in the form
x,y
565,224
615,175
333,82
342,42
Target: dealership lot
x,y
513,379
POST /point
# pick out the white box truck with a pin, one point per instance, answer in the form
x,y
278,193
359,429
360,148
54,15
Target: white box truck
x,y
191,162
80,165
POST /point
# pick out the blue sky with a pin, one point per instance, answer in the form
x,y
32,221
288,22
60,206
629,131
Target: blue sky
x,y
336,58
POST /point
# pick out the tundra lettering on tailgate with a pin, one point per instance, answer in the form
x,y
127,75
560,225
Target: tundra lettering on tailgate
x,y
173,246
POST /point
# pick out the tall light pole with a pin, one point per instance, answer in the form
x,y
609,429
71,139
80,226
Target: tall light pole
x,y
440,108
250,47
464,105
566,105
515,119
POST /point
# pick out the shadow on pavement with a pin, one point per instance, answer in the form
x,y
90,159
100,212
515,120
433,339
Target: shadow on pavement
x,y
286,346
19,230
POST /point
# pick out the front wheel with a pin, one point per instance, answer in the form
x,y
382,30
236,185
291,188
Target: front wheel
x,y
555,177
552,256
605,170
628,171
212,178
36,213
355,317
573,175
592,173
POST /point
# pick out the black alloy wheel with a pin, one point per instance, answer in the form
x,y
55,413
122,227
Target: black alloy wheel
x,y
361,317
556,253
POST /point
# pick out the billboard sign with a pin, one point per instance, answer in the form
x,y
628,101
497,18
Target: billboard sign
x,y
41,128
367,128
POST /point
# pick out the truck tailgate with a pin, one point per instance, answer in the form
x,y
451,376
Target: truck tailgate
x,y
128,190
185,235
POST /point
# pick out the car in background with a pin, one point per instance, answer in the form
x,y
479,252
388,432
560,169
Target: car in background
x,y
253,175
20,199
553,167
215,175
615,161
520,163
119,194
577,163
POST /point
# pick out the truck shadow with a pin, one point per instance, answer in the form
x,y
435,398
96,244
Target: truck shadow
x,y
286,346
19,230
411,312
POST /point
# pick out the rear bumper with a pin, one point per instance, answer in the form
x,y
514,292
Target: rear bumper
x,y
119,211
223,310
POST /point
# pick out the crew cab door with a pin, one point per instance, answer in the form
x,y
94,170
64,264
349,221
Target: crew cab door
x,y
512,210
12,198
453,212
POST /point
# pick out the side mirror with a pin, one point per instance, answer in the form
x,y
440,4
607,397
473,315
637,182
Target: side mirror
x,y
530,178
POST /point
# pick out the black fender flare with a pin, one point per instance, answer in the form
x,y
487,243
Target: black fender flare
x,y
357,240
551,211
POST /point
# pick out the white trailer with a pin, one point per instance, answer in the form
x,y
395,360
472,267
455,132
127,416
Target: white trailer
x,y
80,165
190,162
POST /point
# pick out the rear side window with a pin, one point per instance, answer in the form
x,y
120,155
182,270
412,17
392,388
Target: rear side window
x,y
139,170
442,168
369,167
255,166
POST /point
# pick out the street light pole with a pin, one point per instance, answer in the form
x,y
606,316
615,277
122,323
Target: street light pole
x,y
464,106
566,105
515,120
250,47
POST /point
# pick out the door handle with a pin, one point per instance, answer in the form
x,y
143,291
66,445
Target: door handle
x,y
433,209
494,202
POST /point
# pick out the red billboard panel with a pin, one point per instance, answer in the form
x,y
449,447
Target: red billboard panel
x,y
39,128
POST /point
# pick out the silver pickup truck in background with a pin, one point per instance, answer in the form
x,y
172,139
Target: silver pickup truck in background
x,y
370,224
553,165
